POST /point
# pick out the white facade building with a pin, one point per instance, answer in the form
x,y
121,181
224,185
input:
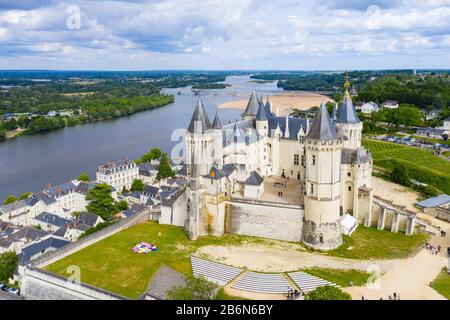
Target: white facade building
x,y
369,107
118,174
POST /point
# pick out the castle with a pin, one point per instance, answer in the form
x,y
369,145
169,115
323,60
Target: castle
x,y
227,166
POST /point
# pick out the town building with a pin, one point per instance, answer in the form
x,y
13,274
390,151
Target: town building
x,y
369,107
118,174
434,133
390,104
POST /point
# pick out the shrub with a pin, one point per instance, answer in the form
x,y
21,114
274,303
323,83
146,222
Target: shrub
x,y
328,293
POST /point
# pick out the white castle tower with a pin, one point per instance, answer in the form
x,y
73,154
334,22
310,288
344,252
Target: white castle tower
x,y
321,228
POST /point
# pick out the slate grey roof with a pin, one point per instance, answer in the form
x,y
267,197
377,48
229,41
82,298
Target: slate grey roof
x,y
347,112
31,201
262,114
84,187
44,197
199,121
88,218
163,280
146,168
268,107
169,197
52,219
322,127
438,201
6,243
359,156
60,189
150,191
334,115
51,243
254,179
61,231
429,130
252,105
227,169
27,234
7,208
216,122
294,125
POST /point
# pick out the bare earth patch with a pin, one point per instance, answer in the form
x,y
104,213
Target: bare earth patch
x,y
284,103
395,192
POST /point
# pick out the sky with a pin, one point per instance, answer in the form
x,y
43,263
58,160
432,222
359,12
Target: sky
x,y
224,34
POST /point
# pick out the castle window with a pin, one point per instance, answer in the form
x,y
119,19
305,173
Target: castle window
x,y
296,159
303,160
349,188
321,239
312,188
349,174
313,160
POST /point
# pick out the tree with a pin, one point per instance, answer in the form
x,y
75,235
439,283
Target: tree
x,y
155,153
400,175
137,185
83,177
8,264
11,124
10,199
197,288
101,202
122,205
25,195
328,293
164,170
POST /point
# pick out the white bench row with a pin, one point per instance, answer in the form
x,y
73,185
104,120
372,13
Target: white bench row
x,y
307,282
262,282
215,272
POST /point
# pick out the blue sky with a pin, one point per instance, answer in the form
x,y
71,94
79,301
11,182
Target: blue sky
x,y
224,34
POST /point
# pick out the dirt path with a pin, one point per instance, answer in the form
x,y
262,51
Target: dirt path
x,y
269,259
395,192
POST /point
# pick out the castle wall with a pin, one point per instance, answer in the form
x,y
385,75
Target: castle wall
x,y
265,219
288,148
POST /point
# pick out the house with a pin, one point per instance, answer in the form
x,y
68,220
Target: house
x,y
118,174
173,207
434,133
133,197
136,208
17,213
438,207
433,114
89,219
148,172
150,193
14,239
34,250
369,107
50,222
390,104
254,186
52,114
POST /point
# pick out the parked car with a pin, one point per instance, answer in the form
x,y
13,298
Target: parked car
x,y
14,291
3,287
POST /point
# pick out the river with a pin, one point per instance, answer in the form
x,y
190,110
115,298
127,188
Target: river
x,y
29,163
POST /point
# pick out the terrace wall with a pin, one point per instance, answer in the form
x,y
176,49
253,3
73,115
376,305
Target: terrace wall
x,y
265,219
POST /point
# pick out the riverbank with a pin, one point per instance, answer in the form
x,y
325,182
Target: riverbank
x,y
42,124
283,103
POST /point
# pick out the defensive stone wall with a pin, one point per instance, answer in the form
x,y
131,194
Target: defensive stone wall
x,y
264,219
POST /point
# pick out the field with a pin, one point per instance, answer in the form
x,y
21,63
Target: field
x,y
442,284
421,164
371,243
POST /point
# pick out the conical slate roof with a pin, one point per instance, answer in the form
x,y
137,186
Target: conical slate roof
x,y
333,114
322,127
254,179
199,121
262,114
216,122
347,113
252,106
268,107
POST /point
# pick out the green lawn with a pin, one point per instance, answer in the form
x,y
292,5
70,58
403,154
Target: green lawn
x,y
341,277
421,164
442,284
371,243
110,263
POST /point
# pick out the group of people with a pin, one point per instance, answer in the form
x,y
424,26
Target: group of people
x,y
433,249
280,194
293,293
443,233
394,296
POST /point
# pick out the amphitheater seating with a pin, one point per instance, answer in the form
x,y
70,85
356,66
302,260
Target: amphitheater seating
x,y
262,282
307,282
215,272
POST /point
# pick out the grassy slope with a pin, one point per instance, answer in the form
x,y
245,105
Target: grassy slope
x,y
371,243
442,284
340,277
415,159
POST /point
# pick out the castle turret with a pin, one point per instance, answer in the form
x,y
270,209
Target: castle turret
x,y
218,141
321,228
199,142
252,107
347,122
262,121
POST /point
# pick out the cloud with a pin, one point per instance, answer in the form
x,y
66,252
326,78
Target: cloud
x,y
222,34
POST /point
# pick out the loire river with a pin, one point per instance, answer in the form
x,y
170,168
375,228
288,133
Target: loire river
x,y
29,163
